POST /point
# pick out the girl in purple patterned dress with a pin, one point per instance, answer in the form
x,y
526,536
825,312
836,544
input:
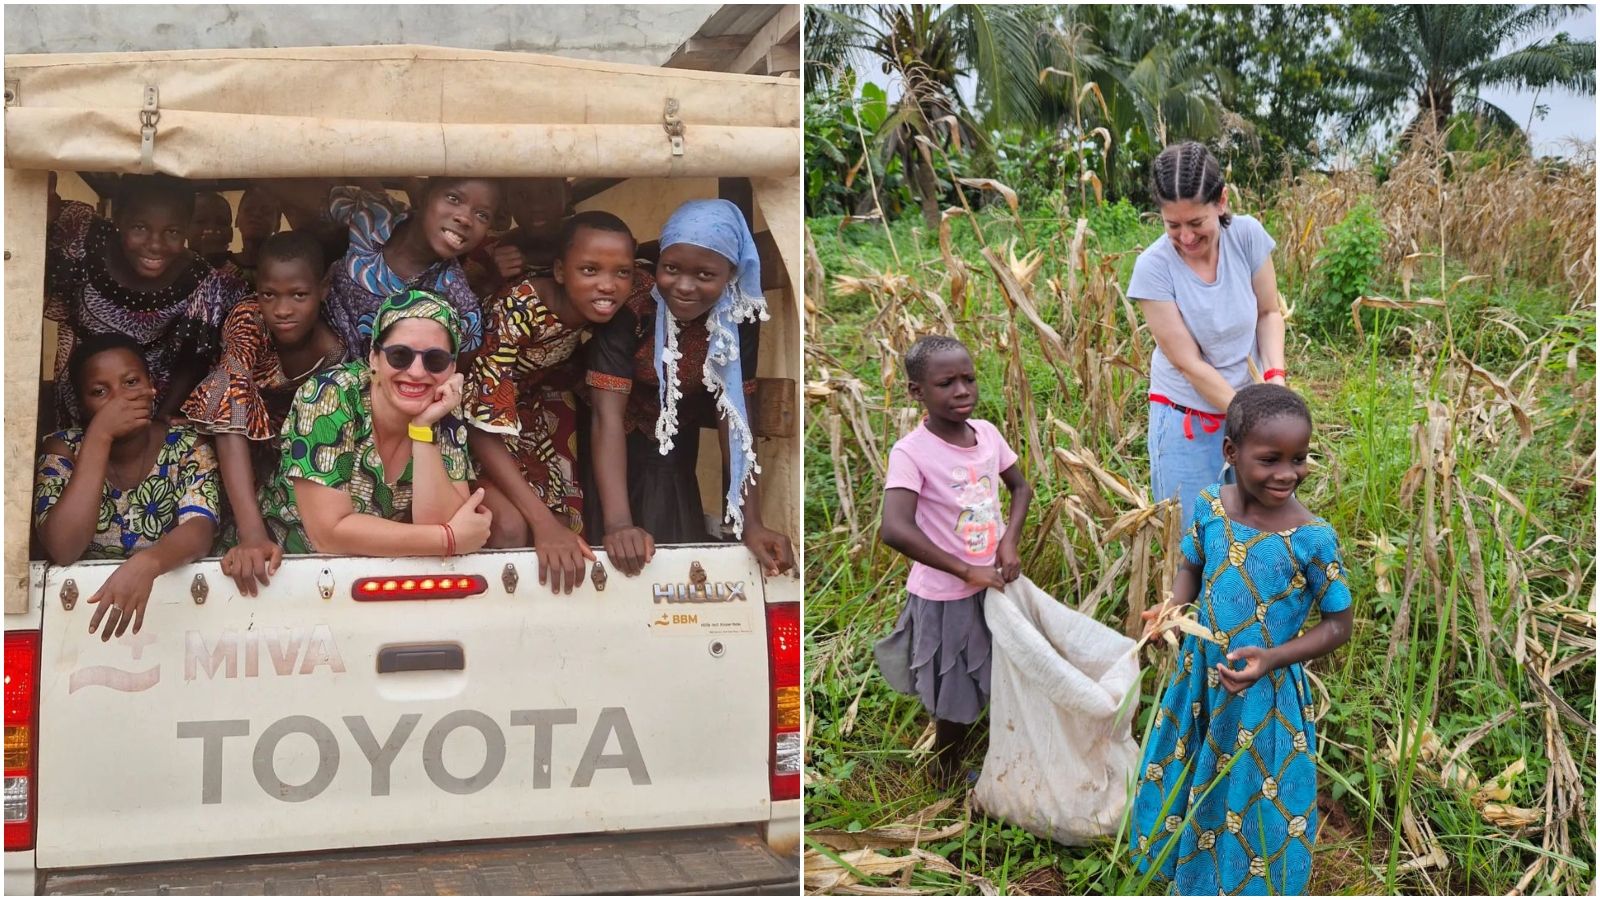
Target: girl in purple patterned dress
x,y
132,275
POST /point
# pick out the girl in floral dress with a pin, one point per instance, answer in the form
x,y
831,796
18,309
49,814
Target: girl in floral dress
x,y
271,343
520,396
125,487
1227,797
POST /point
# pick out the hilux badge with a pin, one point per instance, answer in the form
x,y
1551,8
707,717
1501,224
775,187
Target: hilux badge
x,y
709,592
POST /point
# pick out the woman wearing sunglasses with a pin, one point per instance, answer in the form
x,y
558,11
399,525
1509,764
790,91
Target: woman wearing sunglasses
x,y
374,459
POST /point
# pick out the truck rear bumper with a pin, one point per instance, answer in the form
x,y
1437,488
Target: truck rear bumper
x,y
733,860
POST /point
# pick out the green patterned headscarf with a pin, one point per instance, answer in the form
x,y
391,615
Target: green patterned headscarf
x,y
416,304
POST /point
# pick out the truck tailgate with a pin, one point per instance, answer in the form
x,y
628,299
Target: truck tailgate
x,y
240,725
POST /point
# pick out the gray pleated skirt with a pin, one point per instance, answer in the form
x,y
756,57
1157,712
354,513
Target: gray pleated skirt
x,y
939,652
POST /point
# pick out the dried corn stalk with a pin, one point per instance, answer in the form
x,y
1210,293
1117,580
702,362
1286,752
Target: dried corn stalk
x,y
912,831
1377,302
824,876
1171,617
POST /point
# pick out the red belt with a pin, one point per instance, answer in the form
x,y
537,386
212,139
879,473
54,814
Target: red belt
x,y
1209,422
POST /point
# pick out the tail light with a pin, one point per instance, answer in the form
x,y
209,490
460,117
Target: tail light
x,y
418,587
783,654
22,736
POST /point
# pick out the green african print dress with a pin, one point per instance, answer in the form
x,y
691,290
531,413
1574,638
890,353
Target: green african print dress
x,y
1227,797
182,486
328,439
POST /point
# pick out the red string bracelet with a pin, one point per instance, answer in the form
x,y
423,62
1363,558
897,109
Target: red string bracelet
x,y
1270,374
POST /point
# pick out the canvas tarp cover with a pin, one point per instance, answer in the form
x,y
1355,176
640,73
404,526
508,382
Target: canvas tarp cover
x,y
394,110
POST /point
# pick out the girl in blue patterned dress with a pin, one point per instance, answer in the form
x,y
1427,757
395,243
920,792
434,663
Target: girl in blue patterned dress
x,y
1226,801
393,249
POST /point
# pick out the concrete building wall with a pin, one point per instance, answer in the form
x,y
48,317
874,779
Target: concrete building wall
x,y
645,35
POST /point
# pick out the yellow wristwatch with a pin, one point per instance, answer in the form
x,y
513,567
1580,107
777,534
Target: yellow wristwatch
x,y
423,433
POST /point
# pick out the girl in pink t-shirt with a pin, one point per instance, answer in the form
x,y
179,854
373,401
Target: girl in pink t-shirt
x,y
941,508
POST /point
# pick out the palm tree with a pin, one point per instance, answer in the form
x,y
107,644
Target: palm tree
x,y
927,50
1154,91
1440,57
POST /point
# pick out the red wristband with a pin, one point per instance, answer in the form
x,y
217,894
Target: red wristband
x,y
1270,374
449,540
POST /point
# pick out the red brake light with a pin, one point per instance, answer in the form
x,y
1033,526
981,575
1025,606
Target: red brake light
x,y
22,734
419,587
783,654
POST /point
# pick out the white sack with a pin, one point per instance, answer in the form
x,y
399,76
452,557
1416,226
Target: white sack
x,y
1064,689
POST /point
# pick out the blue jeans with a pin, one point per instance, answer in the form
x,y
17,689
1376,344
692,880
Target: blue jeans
x,y
1180,465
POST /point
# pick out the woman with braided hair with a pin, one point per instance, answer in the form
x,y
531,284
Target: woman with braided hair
x,y
1210,295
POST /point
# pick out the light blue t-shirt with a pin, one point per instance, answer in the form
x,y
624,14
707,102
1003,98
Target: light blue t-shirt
x,y
1221,316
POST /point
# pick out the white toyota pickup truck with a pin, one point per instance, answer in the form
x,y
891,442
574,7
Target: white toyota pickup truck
x,y
423,725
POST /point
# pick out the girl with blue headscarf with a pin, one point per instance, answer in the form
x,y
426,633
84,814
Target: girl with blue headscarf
x,y
673,361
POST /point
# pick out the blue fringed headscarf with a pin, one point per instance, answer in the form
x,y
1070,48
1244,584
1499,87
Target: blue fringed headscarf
x,y
718,226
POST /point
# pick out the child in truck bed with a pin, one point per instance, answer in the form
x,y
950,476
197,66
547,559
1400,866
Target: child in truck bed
x,y
520,396
133,275
670,362
211,232
393,249
271,343
258,219
128,486
538,206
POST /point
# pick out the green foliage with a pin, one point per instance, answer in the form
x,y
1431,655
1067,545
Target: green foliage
x,y
827,153
1474,141
1155,90
1348,266
1282,69
1116,223
1487,139
926,51
841,129
1030,163
1267,87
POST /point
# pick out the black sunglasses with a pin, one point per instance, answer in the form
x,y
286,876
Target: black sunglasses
x,y
400,357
